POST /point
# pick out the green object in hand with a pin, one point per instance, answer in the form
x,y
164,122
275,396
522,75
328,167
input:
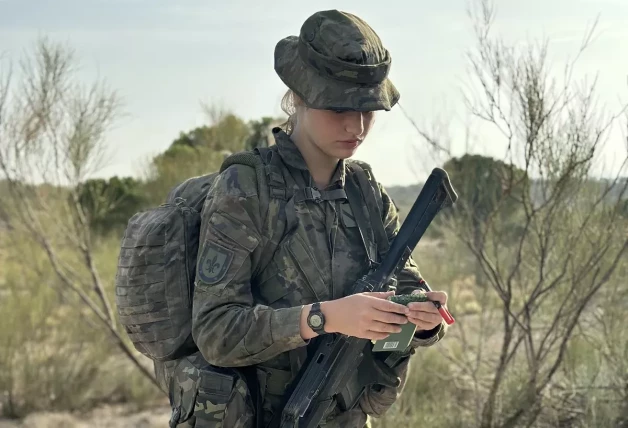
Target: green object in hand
x,y
404,299
399,341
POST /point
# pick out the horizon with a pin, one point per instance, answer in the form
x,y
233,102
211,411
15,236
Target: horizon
x,y
165,59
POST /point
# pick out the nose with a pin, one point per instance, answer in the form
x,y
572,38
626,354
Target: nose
x,y
355,123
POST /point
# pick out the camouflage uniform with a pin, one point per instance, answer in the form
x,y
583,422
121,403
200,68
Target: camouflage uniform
x,y
236,323
246,314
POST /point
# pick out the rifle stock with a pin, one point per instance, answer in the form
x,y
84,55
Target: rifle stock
x,y
337,356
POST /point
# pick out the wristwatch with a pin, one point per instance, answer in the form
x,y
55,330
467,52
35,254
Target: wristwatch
x,y
316,319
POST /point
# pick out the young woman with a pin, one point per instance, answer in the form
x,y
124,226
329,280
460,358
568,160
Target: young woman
x,y
255,308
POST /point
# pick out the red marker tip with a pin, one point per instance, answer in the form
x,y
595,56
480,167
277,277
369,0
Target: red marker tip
x,y
445,314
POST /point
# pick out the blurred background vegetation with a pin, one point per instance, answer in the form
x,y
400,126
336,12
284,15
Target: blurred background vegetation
x,y
533,255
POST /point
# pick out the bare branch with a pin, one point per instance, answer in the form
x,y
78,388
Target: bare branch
x,y
555,234
52,139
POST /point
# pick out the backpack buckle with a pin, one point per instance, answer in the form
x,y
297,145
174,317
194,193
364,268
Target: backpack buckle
x,y
314,194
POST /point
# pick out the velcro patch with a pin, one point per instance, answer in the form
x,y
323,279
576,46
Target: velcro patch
x,y
214,262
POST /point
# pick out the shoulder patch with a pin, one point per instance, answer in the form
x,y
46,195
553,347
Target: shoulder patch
x,y
214,262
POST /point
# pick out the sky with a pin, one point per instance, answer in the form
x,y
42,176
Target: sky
x,y
165,58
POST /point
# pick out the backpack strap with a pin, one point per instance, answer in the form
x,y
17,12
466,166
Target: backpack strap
x,y
283,187
360,189
274,184
272,171
356,202
374,204
278,188
363,170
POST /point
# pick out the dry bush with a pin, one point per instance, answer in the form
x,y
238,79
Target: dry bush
x,y
545,277
52,355
52,139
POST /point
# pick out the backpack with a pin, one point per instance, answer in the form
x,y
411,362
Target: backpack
x,y
156,269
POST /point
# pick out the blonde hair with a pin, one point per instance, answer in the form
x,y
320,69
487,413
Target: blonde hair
x,y
289,104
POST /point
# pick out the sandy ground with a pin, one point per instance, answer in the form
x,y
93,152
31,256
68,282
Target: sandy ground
x,y
105,417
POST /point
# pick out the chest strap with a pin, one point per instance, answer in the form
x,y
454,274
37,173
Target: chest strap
x,y
313,194
308,194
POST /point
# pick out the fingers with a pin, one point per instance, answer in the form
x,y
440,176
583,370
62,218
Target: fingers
x,y
388,306
433,296
425,318
379,294
381,330
374,319
382,327
425,315
439,296
389,317
423,307
378,317
422,325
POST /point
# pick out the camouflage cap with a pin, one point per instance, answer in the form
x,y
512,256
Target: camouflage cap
x,y
338,62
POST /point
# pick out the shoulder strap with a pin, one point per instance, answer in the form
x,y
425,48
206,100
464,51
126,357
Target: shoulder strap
x,y
283,187
364,170
252,159
356,202
374,204
272,183
269,185
272,170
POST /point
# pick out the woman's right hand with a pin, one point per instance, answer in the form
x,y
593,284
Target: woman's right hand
x,y
365,315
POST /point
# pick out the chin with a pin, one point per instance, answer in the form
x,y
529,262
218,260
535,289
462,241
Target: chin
x,y
344,153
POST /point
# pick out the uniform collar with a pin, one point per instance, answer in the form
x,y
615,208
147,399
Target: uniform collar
x,y
291,156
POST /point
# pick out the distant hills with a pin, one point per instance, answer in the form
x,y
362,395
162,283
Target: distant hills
x,y
404,196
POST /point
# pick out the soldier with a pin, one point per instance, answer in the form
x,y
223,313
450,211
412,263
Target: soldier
x,y
255,309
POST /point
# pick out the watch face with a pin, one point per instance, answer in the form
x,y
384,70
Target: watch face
x,y
315,320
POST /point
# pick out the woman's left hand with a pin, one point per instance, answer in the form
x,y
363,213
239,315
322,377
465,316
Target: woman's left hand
x,y
424,314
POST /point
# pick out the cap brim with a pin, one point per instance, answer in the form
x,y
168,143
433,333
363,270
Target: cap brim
x,y
321,92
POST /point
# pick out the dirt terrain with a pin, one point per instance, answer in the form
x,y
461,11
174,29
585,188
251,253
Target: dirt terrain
x,y
104,417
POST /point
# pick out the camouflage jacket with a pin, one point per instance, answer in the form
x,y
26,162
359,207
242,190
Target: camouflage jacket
x,y
243,316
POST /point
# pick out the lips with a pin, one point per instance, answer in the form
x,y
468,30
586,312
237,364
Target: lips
x,y
353,143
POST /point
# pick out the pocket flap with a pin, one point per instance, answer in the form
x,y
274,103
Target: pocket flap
x,y
217,383
234,230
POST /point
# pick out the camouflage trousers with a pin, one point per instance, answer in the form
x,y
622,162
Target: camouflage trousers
x,y
192,423
205,396
221,411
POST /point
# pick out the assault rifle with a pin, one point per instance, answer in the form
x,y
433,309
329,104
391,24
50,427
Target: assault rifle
x,y
337,356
